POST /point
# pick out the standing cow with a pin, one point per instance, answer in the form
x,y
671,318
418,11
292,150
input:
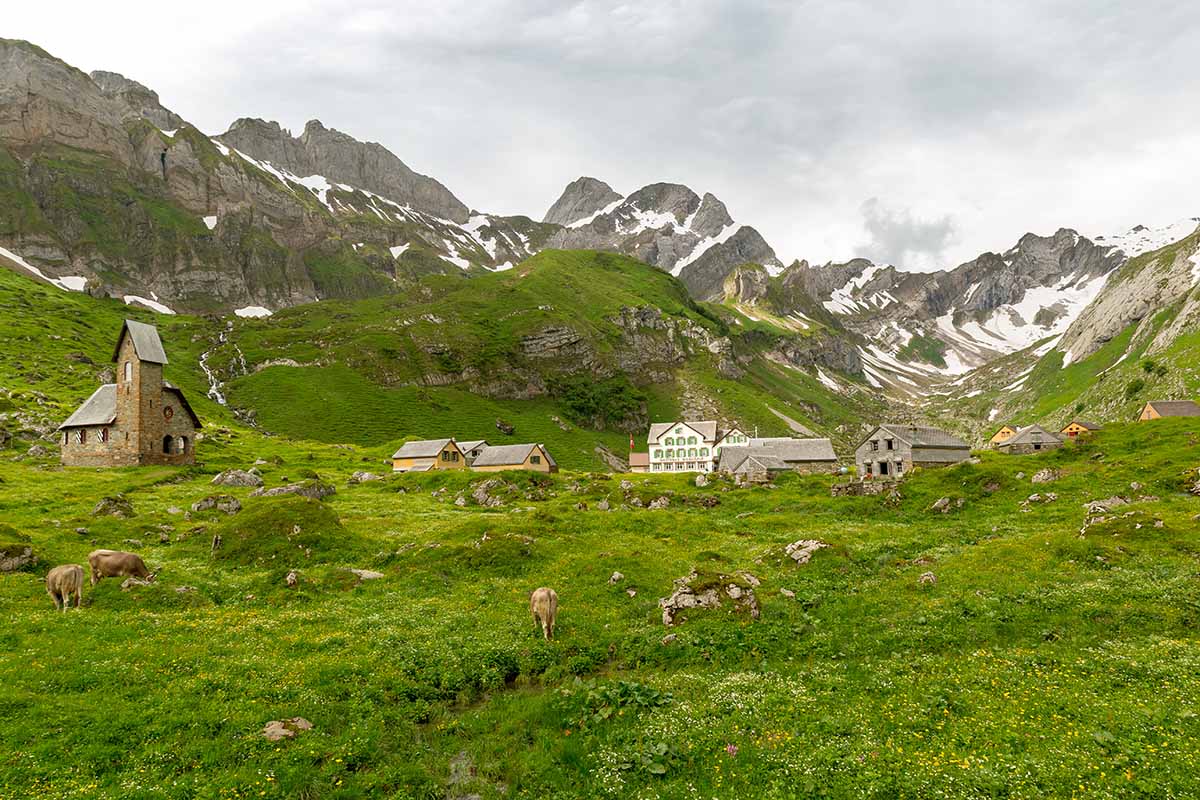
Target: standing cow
x,y
115,564
64,581
543,604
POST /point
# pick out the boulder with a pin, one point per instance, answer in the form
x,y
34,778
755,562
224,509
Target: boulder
x,y
1046,475
276,730
227,504
801,551
291,579
603,505
701,481
482,493
659,503
16,556
788,593
616,577
237,477
927,579
1101,506
709,591
364,477
131,582
312,489
366,574
115,506
626,486
37,451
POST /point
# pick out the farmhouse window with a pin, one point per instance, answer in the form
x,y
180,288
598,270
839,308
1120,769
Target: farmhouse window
x,y
535,459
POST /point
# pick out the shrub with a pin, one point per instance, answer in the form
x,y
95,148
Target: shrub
x,y
1133,387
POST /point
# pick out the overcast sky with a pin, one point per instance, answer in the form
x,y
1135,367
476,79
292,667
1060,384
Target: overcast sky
x,y
920,133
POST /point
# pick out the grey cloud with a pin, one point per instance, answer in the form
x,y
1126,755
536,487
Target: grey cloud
x,y
897,237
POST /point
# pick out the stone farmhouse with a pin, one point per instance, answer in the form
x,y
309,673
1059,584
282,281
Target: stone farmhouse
x,y
763,456
1078,427
1157,409
1005,433
689,446
892,450
478,455
140,419
428,454
1030,439
532,457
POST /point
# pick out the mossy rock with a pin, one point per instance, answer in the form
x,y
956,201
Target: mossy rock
x,y
16,552
291,529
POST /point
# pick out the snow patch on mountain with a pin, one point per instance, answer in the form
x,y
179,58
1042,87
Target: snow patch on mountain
x,y
590,218
69,283
706,244
152,304
1140,239
844,300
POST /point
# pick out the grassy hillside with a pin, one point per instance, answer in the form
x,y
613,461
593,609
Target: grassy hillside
x,y
1041,663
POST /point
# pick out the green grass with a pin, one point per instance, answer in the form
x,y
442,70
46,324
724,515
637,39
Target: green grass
x,y
928,349
1041,664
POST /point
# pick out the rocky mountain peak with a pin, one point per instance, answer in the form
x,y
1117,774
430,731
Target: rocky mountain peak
x,y
582,198
140,101
341,158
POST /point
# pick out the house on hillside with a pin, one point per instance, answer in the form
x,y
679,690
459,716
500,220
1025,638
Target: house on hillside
x,y
1078,427
534,457
1030,439
689,446
891,450
472,449
1005,433
808,456
1157,409
140,419
422,456
639,462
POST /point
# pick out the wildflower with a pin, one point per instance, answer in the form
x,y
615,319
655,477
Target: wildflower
x,y
731,749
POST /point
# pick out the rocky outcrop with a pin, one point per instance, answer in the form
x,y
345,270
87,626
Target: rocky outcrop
x,y
1150,283
342,158
705,277
582,198
237,477
139,101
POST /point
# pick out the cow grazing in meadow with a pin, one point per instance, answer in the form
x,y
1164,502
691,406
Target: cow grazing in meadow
x,y
117,564
543,604
64,581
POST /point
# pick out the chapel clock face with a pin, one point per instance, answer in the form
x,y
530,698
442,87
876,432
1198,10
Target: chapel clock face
x,y
168,412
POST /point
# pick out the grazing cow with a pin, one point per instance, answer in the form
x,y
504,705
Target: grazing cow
x,y
64,581
116,564
543,604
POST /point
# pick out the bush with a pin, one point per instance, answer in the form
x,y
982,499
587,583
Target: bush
x,y
1133,387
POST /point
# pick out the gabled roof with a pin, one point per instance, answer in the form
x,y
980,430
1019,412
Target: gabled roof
x,y
707,429
1091,426
762,461
920,436
467,447
146,343
425,448
1175,408
99,409
794,450
506,455
1002,429
1029,434
183,402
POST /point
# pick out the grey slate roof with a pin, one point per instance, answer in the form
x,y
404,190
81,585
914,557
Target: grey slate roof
x,y
467,447
796,450
1026,436
506,455
922,436
425,448
99,409
1175,408
183,402
146,343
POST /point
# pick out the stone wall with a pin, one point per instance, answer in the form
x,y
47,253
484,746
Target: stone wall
x,y
1027,449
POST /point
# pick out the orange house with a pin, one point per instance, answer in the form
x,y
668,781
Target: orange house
x,y
423,456
1002,435
1079,427
1157,409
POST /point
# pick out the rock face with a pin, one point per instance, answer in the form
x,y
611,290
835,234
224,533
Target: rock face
x,y
582,198
705,277
1134,296
342,158
139,101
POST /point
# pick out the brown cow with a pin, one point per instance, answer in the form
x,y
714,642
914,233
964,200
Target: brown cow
x,y
115,564
64,581
543,604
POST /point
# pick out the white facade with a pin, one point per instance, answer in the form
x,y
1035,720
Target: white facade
x,y
689,446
